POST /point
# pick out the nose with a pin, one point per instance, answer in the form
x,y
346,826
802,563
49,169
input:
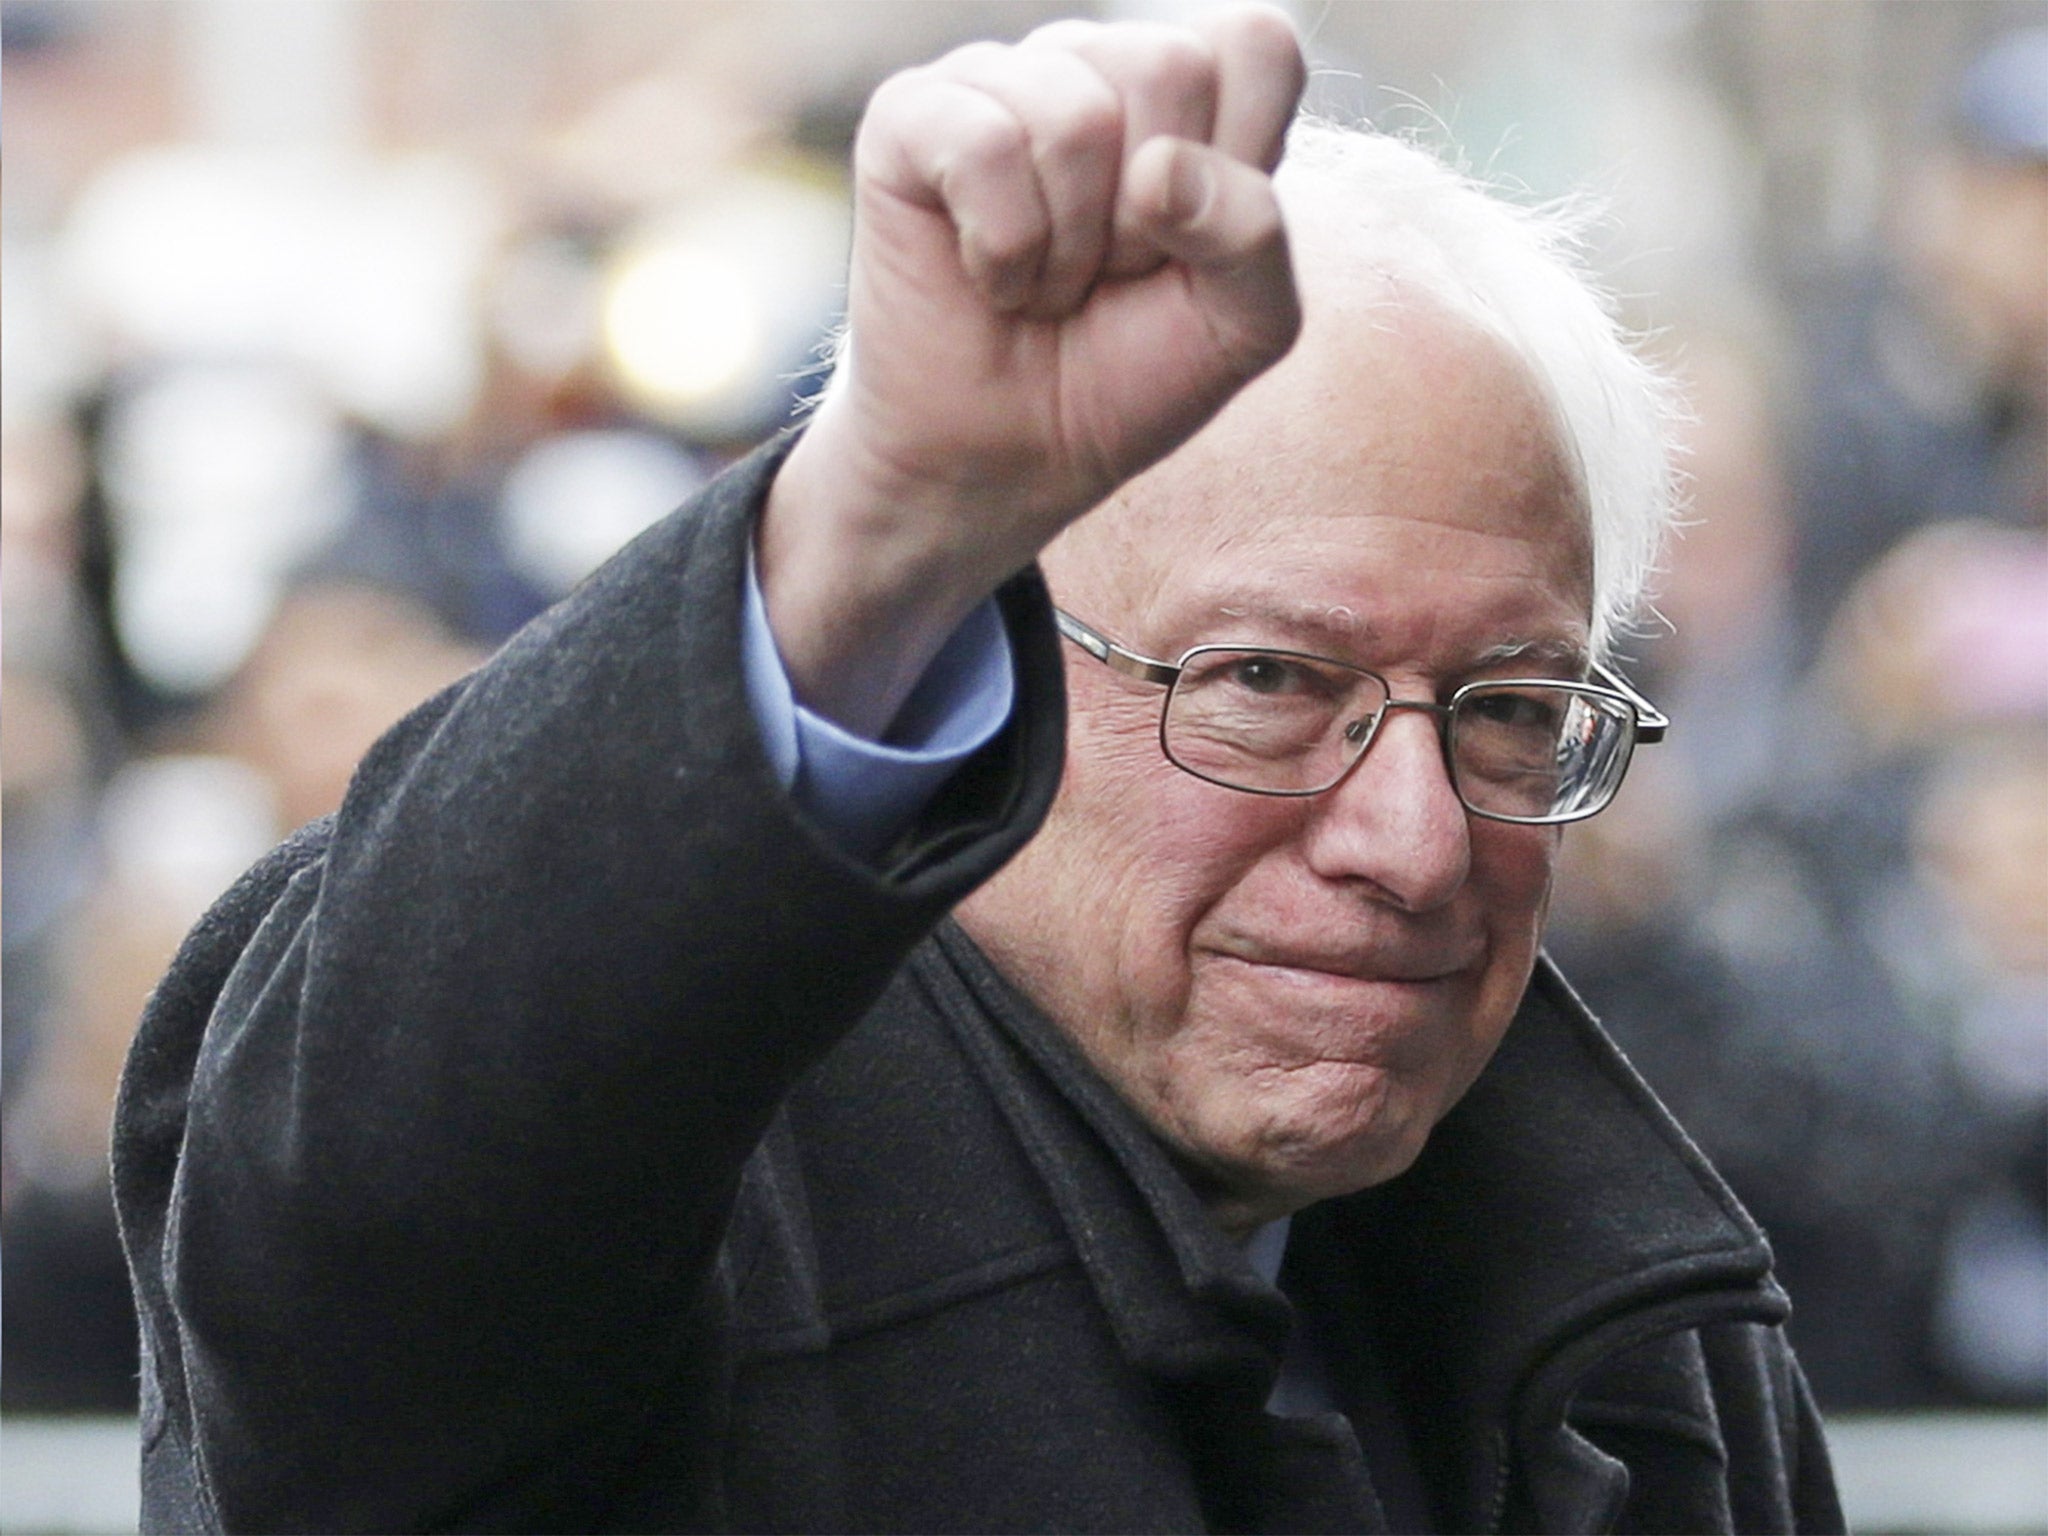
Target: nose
x,y
1395,821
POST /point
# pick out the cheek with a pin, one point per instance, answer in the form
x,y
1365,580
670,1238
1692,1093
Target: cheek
x,y
1131,808
1113,758
1528,863
1152,849
1512,870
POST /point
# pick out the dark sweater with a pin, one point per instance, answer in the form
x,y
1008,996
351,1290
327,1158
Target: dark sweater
x,y
567,1136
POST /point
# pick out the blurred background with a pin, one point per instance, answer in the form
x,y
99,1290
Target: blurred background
x,y
340,338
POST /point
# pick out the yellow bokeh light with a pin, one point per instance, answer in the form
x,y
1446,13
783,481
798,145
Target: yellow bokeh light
x,y
682,325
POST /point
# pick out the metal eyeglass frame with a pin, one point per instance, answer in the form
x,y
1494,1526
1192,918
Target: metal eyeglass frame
x,y
1650,722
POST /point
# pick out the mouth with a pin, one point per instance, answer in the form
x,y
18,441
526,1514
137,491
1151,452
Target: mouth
x,y
1398,971
1325,1020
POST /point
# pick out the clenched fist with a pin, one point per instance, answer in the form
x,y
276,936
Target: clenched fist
x,y
1067,257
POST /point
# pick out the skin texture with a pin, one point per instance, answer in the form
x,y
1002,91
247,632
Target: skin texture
x,y
1294,992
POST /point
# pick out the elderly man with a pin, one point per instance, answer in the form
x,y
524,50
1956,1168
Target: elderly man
x,y
597,1125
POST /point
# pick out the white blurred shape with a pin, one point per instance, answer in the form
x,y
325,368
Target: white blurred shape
x,y
184,827
542,306
220,479
261,72
361,271
572,500
40,354
71,1474
396,338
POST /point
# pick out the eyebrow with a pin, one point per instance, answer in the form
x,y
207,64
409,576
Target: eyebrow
x,y
1336,630
1332,630
1569,655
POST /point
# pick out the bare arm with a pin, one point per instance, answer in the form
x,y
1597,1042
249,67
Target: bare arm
x,y
1067,258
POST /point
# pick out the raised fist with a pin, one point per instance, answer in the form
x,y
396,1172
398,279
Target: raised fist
x,y
1067,257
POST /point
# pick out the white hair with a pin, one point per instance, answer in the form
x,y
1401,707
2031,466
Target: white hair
x,y
1521,274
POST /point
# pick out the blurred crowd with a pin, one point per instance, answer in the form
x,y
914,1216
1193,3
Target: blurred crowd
x,y
1818,921
271,478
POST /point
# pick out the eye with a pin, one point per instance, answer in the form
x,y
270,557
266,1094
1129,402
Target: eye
x,y
1267,675
1516,710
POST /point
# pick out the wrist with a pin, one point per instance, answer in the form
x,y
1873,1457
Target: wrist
x,y
864,575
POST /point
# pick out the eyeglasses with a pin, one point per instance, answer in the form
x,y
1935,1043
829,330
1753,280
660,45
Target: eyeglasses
x,y
1528,750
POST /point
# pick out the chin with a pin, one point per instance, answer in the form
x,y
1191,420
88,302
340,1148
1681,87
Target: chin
x,y
1341,1136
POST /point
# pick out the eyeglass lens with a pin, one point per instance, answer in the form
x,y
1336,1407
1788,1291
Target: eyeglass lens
x,y
1292,724
1535,752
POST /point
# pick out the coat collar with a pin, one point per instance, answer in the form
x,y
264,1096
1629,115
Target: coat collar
x,y
1557,1216
1181,1296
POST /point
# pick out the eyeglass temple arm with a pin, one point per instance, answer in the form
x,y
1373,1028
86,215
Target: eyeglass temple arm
x,y
1112,655
1651,722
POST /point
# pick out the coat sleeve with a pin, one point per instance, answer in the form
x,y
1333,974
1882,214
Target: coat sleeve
x,y
428,1137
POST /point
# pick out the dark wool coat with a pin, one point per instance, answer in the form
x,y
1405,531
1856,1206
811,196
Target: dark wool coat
x,y
567,1137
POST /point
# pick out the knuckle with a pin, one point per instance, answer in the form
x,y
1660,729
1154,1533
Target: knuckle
x,y
1273,50
900,105
986,140
882,124
971,60
1258,31
892,95
1175,65
1070,33
1090,124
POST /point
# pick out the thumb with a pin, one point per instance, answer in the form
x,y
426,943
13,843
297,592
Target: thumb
x,y
1220,220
